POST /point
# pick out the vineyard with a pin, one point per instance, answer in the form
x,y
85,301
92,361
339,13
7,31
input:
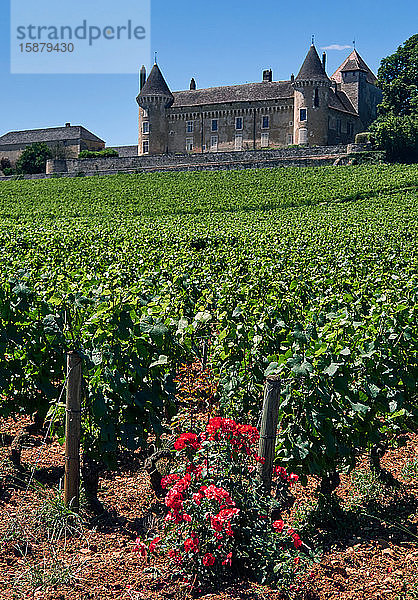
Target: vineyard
x,y
308,274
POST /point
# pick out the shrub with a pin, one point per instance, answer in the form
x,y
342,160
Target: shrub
x,y
363,138
105,153
5,163
8,171
33,159
219,517
372,157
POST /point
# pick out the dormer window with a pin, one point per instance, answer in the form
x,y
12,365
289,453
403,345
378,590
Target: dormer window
x,y
316,98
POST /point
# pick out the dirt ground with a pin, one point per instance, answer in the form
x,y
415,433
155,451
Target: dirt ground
x,y
372,556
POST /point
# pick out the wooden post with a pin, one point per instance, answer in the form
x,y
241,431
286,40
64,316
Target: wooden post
x,y
268,430
72,431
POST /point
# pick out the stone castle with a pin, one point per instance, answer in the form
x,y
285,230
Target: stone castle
x,y
310,109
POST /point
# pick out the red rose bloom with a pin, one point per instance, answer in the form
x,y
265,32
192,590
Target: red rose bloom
x,y
174,499
281,472
278,525
169,480
140,547
153,544
217,524
191,544
187,439
208,560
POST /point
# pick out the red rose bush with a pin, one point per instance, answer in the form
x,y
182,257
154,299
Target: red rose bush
x,y
216,518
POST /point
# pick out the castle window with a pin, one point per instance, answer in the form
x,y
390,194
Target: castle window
x,y
145,127
214,124
214,143
189,126
145,113
303,136
265,124
145,147
238,123
264,140
189,144
238,142
290,138
303,114
316,98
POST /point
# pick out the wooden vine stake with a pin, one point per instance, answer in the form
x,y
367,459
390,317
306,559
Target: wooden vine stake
x,y
268,430
72,431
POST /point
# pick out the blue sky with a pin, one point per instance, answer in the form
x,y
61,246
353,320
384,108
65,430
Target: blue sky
x,y
218,42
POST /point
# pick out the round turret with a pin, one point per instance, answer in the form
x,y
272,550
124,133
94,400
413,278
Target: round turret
x,y
311,97
154,99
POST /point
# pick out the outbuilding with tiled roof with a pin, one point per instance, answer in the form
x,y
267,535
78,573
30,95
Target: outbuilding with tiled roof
x,y
65,142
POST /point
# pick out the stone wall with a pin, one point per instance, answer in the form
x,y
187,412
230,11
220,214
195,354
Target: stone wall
x,y
252,158
125,151
285,157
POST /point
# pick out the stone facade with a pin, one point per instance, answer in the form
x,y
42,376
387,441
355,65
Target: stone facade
x,y
65,142
309,109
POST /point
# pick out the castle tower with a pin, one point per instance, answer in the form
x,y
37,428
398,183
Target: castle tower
x,y
358,82
311,96
154,98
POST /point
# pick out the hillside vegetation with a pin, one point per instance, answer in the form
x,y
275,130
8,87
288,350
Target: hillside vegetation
x,y
308,273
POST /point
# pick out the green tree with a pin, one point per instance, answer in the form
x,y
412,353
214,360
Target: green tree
x,y
33,158
398,136
396,129
398,79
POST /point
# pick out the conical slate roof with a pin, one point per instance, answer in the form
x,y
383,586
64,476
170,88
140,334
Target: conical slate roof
x,y
312,67
354,62
155,85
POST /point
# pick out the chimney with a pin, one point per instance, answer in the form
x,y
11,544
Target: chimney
x,y
68,124
268,75
324,60
292,78
192,83
142,77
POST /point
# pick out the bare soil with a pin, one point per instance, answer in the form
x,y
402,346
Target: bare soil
x,y
371,554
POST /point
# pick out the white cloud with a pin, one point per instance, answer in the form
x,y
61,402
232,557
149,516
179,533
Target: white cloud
x,y
336,47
